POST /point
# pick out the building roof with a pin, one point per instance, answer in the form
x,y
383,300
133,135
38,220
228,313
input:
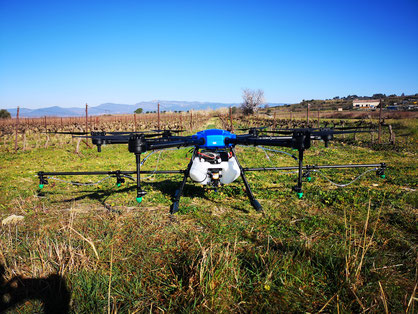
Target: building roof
x,y
366,100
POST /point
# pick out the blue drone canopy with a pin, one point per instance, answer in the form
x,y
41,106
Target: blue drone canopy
x,y
214,138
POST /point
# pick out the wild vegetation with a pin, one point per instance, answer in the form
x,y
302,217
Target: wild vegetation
x,y
347,102
351,249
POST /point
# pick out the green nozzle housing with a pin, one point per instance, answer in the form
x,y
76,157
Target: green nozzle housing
x,y
383,176
309,179
118,184
300,194
139,199
41,186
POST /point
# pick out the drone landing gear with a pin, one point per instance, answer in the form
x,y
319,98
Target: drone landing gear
x,y
176,199
139,192
298,187
250,194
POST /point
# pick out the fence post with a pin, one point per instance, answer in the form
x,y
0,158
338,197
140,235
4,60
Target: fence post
x,y
135,122
191,120
17,126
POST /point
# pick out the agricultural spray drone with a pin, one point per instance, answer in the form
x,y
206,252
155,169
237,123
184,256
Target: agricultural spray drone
x,y
214,161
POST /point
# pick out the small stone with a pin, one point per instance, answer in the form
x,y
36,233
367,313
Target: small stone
x,y
12,219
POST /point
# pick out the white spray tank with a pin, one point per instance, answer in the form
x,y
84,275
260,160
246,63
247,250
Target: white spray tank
x,y
216,170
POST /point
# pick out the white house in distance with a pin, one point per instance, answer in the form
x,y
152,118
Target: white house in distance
x,y
366,103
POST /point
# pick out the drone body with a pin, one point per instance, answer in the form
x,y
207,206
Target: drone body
x,y
214,161
214,164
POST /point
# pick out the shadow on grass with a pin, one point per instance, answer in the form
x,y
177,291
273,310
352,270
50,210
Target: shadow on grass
x,y
52,291
166,187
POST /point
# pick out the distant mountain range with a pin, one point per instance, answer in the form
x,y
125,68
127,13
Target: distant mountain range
x,y
111,108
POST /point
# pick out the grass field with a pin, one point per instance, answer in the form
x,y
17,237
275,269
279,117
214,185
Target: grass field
x,y
340,250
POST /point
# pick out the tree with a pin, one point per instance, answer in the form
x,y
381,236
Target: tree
x,y
139,110
4,114
252,100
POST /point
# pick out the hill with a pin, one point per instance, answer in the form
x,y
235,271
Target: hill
x,y
112,108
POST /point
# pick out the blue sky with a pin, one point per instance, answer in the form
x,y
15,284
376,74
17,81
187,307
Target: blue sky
x,y
69,53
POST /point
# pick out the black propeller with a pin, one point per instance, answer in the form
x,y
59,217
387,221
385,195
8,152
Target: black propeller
x,y
172,131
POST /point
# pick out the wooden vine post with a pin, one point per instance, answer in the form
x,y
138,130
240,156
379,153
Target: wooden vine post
x,y
307,113
392,135
318,117
87,128
159,116
274,120
379,139
17,127
87,119
230,119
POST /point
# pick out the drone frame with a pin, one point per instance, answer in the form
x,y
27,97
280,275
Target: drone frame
x,y
139,143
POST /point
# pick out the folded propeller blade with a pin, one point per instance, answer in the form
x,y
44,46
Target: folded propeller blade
x,y
335,132
71,133
254,128
170,131
117,136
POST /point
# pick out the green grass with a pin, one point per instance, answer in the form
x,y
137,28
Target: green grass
x,y
329,248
